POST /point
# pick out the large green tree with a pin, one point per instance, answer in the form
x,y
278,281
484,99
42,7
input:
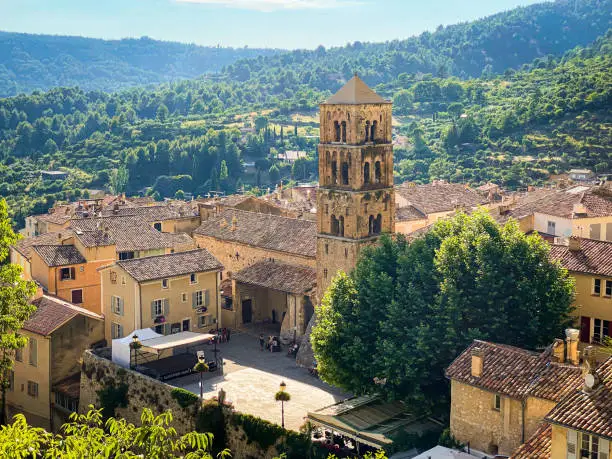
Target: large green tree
x,y
15,307
408,309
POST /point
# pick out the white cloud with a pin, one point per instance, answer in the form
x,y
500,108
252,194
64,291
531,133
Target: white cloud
x,y
274,5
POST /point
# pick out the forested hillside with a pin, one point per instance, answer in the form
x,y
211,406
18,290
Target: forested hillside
x,y
515,128
30,62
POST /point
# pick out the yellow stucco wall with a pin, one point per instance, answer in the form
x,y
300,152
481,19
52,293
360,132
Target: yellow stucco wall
x,y
559,443
137,300
18,398
18,259
588,304
583,227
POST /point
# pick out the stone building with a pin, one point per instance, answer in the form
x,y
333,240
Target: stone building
x,y
500,394
168,293
590,263
355,199
46,373
580,425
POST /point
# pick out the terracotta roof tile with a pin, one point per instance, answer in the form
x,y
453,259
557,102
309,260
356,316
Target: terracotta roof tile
x,y
170,265
25,245
409,213
59,255
355,91
591,411
266,231
52,313
516,372
439,197
538,446
594,257
279,276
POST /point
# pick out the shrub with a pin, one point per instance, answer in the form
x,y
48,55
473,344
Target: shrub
x,y
183,397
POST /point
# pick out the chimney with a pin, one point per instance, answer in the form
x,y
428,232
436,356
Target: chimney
x,y
477,362
574,244
39,291
571,337
558,349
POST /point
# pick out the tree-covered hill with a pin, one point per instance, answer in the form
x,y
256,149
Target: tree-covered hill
x,y
479,48
29,62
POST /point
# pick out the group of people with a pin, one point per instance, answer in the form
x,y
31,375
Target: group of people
x,y
222,335
272,344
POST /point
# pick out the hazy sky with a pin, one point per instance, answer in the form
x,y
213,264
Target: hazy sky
x,y
256,23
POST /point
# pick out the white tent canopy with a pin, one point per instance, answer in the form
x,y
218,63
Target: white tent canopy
x,y
121,346
186,338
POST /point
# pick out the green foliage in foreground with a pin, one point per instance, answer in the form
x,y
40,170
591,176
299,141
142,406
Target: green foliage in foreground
x,y
87,435
408,309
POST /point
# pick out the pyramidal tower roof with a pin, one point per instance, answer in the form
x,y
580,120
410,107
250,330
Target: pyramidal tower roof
x,y
355,92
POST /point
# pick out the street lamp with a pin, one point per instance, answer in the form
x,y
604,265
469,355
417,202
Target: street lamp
x,y
282,396
201,368
135,345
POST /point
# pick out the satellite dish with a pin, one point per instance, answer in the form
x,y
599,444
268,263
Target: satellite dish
x,y
589,380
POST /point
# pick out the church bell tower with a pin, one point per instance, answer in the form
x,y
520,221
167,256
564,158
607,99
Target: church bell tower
x,y
355,201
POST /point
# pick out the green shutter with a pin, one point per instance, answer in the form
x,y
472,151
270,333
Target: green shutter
x,y
121,306
194,300
153,310
166,306
206,299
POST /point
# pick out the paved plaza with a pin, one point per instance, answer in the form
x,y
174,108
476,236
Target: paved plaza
x,y
253,377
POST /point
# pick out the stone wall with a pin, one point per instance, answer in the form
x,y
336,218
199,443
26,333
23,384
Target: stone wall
x,y
97,372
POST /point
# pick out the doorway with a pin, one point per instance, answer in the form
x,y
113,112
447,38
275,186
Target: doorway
x,y
247,311
186,325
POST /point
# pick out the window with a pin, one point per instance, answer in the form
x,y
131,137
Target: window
x,y
589,447
175,328
343,125
601,329
19,355
597,287
32,389
186,325
497,402
366,173
66,402
336,131
345,173
608,288
326,249
193,278
33,355
164,283
334,172
116,330
77,296
551,227
345,252
367,131
113,277
126,255
325,273
157,226
67,274
377,172
228,304
11,381
204,321
183,297
199,298
373,132
117,305
159,329
158,308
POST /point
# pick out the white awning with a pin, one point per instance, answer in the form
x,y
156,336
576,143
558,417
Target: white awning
x,y
175,340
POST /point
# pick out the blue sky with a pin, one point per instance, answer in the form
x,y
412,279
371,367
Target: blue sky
x,y
256,23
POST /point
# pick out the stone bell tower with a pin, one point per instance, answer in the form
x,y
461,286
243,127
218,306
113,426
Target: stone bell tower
x,y
355,201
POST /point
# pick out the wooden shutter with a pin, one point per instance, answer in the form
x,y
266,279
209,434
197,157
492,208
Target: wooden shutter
x,y
153,310
572,444
33,352
120,306
166,306
120,331
205,299
604,448
72,275
194,300
167,328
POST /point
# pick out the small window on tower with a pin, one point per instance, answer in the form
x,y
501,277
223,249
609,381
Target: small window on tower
x,y
325,273
336,131
326,249
345,252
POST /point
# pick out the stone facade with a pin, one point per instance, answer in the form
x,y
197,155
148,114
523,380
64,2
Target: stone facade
x,y
475,419
355,201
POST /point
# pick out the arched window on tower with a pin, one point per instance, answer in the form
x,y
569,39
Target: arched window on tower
x,y
334,173
373,131
371,225
378,224
343,131
336,131
340,226
377,172
366,173
367,131
334,225
345,173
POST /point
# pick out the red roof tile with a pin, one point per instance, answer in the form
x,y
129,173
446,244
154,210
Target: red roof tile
x,y
594,257
52,313
516,372
538,446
